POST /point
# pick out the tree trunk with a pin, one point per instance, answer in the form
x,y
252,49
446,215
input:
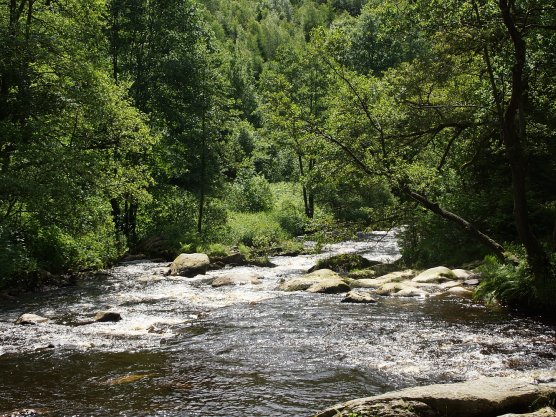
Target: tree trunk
x,y
203,167
513,133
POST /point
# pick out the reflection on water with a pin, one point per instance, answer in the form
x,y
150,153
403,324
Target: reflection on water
x,y
186,349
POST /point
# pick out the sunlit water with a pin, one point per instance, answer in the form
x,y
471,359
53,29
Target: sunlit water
x,y
191,350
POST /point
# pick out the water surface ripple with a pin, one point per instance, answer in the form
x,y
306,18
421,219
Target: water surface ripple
x,y
184,348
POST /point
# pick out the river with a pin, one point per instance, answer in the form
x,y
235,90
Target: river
x,y
184,348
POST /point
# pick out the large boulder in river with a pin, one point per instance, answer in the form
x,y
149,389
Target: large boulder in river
x,y
384,279
483,397
435,275
227,280
305,282
31,319
330,286
190,264
359,297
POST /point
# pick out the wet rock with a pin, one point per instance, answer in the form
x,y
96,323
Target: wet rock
x,y
411,292
227,280
29,319
473,282
305,282
435,275
391,408
462,274
483,397
460,292
449,284
233,259
190,264
330,286
107,316
397,276
358,297
392,288
543,412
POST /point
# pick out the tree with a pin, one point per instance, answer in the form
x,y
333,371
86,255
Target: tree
x,y
296,88
71,141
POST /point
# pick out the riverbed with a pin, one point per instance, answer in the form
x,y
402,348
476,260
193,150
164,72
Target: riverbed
x,y
184,348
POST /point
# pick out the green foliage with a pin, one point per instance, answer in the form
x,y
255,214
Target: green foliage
x,y
344,263
509,284
250,192
257,230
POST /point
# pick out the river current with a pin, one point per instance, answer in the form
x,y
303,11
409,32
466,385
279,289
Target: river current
x,y
184,348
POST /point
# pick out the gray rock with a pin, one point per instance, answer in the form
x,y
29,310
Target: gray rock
x,y
449,284
472,282
411,292
358,297
329,286
190,264
483,397
543,412
462,273
435,275
398,276
460,292
305,282
227,280
30,319
107,316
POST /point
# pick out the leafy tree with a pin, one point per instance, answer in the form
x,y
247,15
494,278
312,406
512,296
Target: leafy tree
x,y
71,140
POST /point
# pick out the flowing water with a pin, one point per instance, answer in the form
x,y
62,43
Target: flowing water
x,y
184,348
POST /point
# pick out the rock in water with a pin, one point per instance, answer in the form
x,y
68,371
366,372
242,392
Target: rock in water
x,y
462,273
543,412
190,264
107,316
435,275
482,397
358,297
30,319
460,292
329,286
305,282
226,280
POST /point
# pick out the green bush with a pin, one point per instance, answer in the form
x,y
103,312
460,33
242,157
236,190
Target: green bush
x,y
344,262
257,230
14,257
250,192
509,284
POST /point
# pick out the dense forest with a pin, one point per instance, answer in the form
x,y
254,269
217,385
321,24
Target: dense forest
x,y
168,126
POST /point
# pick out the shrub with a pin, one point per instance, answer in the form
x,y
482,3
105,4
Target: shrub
x,y
250,192
509,284
258,230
